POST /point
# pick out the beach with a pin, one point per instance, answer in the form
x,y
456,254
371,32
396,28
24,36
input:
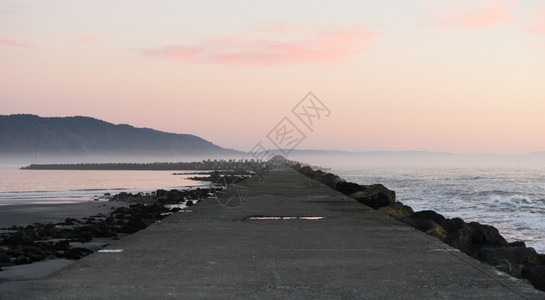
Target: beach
x,y
15,277
26,214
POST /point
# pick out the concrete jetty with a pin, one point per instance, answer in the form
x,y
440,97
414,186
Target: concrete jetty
x,y
281,236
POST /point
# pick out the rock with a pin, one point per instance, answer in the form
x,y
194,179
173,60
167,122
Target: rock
x,y
423,225
430,215
461,240
70,221
515,255
535,274
541,259
397,210
25,254
76,253
486,234
35,253
307,171
349,188
174,196
26,236
4,258
459,223
62,245
133,226
331,180
374,196
449,225
508,259
22,260
124,196
438,232
518,244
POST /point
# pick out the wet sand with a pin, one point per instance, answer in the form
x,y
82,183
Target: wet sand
x,y
26,214
14,277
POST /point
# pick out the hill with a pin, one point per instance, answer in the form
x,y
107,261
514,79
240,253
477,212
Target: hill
x,y
23,135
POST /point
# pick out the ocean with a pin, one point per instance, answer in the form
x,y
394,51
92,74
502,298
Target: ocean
x,y
70,186
508,196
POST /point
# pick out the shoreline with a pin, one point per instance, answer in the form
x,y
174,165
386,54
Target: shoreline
x,y
38,239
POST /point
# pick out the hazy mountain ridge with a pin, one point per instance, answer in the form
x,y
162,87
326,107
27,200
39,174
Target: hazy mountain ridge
x,y
34,135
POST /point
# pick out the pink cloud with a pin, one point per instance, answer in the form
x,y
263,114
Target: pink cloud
x,y
321,47
538,22
17,44
481,14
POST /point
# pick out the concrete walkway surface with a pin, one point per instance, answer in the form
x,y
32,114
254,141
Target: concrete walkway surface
x,y
314,243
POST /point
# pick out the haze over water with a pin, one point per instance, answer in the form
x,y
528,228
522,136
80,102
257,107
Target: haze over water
x,y
53,186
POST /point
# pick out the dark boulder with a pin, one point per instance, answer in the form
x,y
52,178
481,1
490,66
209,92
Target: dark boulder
x,y
423,225
535,274
461,240
486,234
449,225
133,225
375,196
307,171
518,244
70,221
438,232
25,254
348,188
331,180
4,257
76,253
508,259
26,236
397,210
35,253
62,245
459,223
430,215
541,259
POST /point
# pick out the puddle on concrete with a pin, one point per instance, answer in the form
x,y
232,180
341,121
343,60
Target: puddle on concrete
x,y
265,218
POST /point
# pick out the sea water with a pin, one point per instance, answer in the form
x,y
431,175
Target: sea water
x,y
69,186
508,196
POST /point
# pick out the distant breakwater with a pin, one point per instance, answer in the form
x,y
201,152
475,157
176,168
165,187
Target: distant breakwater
x,y
210,164
480,241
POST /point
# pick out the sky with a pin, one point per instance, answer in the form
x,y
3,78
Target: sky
x,y
444,75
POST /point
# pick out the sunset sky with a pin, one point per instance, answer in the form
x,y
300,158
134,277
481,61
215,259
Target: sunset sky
x,y
437,75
